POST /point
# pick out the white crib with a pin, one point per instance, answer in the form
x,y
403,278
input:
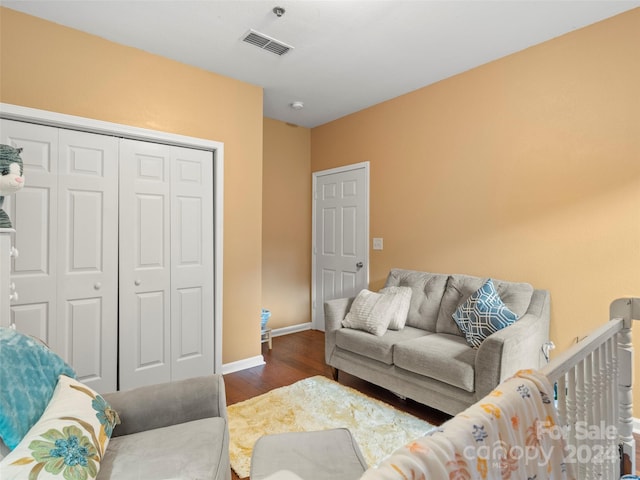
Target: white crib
x,y
593,382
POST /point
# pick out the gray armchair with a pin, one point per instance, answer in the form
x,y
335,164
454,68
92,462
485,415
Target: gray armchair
x,y
170,431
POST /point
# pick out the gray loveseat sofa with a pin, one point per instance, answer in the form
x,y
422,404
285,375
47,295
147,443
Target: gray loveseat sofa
x,y
429,360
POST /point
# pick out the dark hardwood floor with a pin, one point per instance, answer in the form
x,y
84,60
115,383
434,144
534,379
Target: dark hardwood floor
x,y
301,355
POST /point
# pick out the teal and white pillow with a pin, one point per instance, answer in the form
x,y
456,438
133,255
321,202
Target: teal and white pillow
x,y
68,441
28,375
482,314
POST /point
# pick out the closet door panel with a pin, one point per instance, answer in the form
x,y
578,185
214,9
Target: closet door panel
x,y
88,255
151,330
34,214
30,215
32,319
83,322
145,315
192,262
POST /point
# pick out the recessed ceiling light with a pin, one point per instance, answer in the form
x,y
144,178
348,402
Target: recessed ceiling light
x,y
297,105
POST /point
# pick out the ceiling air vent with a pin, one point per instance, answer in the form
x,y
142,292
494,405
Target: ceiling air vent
x,y
266,43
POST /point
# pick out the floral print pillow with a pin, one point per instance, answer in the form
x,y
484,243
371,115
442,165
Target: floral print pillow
x,y
69,440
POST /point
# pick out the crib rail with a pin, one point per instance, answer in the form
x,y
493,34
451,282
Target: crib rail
x,y
593,382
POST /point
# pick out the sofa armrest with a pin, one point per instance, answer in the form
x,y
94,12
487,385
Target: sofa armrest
x,y
166,404
334,312
515,347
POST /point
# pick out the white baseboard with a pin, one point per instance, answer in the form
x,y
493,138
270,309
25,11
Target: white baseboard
x,y
636,425
243,364
277,332
259,359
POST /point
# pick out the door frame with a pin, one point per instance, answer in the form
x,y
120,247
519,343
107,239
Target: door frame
x,y
72,122
315,175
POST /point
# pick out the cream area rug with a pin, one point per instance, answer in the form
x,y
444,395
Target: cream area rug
x,y
318,403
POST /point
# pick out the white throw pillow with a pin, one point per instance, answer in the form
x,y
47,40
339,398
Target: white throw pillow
x,y
373,312
68,441
401,302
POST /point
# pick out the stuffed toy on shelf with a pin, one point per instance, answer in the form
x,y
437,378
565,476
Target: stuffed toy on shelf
x,y
11,178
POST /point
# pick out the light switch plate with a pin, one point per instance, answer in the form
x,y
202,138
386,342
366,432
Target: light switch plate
x,y
377,243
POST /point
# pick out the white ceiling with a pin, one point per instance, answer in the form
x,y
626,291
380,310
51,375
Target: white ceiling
x,y
348,55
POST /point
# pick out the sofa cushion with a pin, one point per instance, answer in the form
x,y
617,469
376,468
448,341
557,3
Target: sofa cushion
x,y
28,376
426,292
516,296
185,450
482,314
443,357
371,346
68,440
372,312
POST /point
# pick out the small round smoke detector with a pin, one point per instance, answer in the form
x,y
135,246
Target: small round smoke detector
x,y
297,105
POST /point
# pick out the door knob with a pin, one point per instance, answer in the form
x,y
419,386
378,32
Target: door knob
x,y
97,286
137,282
359,264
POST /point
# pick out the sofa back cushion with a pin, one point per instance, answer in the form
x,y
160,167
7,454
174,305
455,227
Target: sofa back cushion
x,y
516,296
427,290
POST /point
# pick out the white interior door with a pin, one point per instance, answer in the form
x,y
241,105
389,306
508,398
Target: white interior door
x,y
341,232
66,234
166,263
88,256
191,263
145,264
34,215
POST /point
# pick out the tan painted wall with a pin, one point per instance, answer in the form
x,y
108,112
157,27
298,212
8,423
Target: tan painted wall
x,y
286,223
527,168
50,67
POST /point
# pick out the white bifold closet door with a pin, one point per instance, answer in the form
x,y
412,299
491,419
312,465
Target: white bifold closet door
x,y
66,221
115,270
166,263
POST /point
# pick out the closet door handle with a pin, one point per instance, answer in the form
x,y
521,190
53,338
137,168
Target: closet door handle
x,y
97,286
137,282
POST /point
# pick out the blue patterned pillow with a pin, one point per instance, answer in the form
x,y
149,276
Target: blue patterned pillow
x,y
28,374
482,314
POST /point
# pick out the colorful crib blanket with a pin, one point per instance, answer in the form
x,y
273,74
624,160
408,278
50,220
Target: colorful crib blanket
x,y
510,434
